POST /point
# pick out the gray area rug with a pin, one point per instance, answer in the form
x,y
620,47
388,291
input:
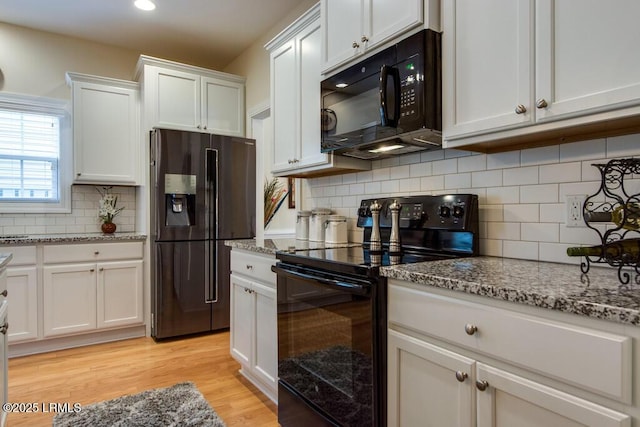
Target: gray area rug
x,y
179,405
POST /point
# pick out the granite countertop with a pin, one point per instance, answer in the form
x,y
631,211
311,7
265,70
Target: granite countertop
x,y
561,287
271,246
32,239
4,259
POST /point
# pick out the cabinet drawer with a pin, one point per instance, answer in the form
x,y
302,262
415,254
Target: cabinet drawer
x,y
22,255
257,267
91,252
594,360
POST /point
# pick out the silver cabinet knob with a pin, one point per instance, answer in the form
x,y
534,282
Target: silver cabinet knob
x,y
249,267
199,126
96,253
4,293
4,328
364,39
541,103
461,376
101,269
482,385
470,328
78,174
521,109
355,45
92,270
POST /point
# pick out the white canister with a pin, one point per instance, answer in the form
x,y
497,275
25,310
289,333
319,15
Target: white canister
x,y
316,224
336,229
302,225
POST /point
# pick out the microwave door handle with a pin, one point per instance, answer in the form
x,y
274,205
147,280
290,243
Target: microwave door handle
x,y
385,72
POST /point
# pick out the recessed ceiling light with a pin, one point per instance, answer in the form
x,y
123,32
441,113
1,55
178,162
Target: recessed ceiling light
x,y
144,4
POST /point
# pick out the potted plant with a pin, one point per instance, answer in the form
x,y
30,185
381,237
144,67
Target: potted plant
x,y
108,210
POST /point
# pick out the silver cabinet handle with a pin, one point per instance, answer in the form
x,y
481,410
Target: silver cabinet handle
x,y
470,328
482,385
364,39
4,293
96,253
249,267
4,328
521,109
101,269
461,376
541,103
92,270
355,45
78,174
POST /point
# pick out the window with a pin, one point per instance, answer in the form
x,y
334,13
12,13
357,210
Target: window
x,y
33,154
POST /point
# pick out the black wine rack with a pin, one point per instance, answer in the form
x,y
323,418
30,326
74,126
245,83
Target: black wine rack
x,y
614,196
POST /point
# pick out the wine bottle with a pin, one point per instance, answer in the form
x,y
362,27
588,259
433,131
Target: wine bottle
x,y
632,221
625,249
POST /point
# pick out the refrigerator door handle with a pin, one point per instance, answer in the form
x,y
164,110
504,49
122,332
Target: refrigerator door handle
x,y
211,201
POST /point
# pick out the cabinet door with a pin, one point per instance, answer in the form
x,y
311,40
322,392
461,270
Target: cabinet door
x,y
390,18
584,62
284,106
177,99
510,400
119,294
222,107
423,384
106,134
487,65
343,28
22,287
265,361
69,299
242,320
308,49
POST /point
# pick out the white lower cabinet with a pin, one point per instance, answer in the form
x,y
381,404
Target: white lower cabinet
x,y
83,297
254,332
4,365
22,287
441,373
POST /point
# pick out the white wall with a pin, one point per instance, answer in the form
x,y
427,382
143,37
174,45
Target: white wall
x,y
521,193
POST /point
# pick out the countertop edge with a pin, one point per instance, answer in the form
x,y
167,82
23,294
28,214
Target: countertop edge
x,y
70,238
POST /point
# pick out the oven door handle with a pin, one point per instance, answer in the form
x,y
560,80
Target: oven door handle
x,y
354,288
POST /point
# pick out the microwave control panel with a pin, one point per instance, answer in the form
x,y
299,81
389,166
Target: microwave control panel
x,y
411,78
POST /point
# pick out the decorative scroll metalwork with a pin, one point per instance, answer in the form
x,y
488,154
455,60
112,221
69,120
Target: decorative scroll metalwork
x,y
619,205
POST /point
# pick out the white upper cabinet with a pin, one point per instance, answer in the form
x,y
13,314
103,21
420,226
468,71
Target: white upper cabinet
x,y
295,103
106,130
533,72
184,97
351,28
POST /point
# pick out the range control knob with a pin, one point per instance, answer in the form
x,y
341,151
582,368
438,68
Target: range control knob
x,y
458,211
445,211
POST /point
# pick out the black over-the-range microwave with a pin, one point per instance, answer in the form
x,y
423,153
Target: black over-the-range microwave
x,y
388,104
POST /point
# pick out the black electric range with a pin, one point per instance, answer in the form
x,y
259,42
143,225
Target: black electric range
x,y
332,310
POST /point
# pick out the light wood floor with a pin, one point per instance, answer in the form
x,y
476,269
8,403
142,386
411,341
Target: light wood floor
x,y
105,371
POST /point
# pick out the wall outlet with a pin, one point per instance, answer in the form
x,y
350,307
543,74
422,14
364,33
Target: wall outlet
x,y
574,210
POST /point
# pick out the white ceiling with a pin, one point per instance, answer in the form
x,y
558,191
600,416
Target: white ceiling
x,y
216,31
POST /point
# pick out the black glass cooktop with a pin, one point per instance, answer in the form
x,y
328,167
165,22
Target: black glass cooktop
x,y
355,260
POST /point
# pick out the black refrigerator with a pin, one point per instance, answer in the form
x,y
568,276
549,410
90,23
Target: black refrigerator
x,y
203,193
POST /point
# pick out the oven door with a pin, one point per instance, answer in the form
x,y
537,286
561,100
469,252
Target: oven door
x,y
326,348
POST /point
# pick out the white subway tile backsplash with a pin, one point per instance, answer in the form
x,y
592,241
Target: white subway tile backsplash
x,y
454,181
623,146
521,250
500,195
510,159
472,163
543,193
540,155
503,230
552,212
492,178
521,193
583,150
420,169
521,213
560,172
441,167
540,232
520,176
432,183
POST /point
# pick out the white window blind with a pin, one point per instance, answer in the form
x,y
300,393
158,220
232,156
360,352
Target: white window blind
x,y
29,156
